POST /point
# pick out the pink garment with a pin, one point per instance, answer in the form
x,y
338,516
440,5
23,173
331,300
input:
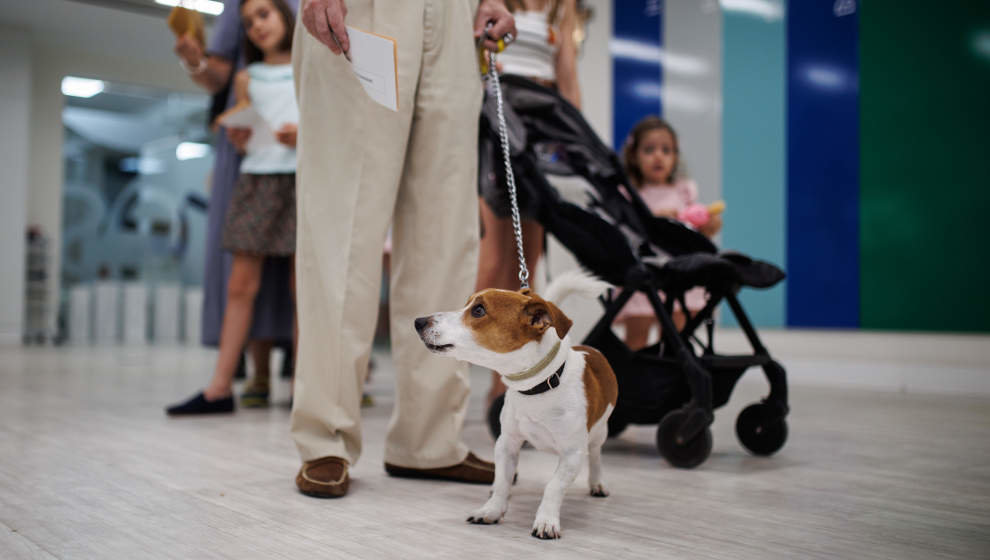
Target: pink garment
x,y
666,198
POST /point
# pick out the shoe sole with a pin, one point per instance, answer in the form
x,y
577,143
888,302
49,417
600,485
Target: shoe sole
x,y
322,495
403,472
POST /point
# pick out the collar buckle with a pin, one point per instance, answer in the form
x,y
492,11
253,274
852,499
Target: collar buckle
x,y
549,383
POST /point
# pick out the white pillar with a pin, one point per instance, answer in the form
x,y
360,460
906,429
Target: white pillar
x,y
135,313
80,311
166,314
15,113
692,88
106,312
193,315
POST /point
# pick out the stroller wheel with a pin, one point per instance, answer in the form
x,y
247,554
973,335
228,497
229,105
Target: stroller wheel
x,y
616,424
760,430
494,412
682,454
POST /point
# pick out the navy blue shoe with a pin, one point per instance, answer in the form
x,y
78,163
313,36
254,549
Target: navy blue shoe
x,y
199,405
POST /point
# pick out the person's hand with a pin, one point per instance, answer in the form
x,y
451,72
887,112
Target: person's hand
x,y
494,12
320,16
666,213
239,137
189,50
713,226
287,134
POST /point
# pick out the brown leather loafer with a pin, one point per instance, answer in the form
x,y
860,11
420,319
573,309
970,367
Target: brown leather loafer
x,y
325,477
471,470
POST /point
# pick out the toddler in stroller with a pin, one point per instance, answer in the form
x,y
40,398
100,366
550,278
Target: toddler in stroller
x,y
679,380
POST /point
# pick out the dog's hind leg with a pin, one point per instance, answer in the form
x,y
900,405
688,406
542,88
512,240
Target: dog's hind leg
x,y
596,438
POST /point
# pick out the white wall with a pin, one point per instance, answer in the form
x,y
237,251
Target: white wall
x,y
62,38
595,71
15,108
47,176
692,88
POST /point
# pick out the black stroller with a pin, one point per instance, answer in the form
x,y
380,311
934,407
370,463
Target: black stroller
x,y
681,379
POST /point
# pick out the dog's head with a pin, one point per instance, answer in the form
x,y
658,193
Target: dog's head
x,y
497,329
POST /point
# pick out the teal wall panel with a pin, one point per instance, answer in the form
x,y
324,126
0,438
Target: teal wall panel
x,y
753,152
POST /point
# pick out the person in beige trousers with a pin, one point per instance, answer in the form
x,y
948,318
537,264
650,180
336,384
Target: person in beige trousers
x,y
360,167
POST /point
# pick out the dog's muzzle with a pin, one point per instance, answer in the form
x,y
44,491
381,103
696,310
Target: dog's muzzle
x,y
426,334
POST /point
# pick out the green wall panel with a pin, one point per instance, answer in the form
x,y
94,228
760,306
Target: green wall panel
x,y
925,165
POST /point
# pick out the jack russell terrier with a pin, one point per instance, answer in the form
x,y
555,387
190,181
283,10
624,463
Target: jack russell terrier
x,y
559,397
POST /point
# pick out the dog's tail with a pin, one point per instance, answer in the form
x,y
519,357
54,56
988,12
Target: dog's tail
x,y
574,282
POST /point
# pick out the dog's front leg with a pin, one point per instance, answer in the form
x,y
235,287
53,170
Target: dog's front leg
x,y
547,523
506,459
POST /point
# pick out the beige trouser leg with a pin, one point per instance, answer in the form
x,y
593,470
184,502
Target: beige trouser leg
x,y
358,161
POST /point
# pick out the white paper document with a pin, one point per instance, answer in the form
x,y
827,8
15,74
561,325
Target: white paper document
x,y
262,135
373,60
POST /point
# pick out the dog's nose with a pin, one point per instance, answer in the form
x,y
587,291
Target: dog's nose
x,y
421,323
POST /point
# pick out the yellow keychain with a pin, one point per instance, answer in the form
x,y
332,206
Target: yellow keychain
x,y
483,57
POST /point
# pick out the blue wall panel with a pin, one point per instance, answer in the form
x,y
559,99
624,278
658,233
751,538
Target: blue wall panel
x,y
822,165
636,74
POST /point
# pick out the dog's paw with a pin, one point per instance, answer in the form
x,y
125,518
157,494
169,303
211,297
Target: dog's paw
x,y
546,528
599,490
486,516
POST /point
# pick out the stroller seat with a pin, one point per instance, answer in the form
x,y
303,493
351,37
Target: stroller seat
x,y
723,272
753,272
682,273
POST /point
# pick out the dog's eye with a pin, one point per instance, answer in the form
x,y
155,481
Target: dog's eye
x,y
478,311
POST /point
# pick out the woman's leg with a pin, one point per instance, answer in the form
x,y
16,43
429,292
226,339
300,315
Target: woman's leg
x,y
638,331
242,288
680,319
497,246
498,261
533,242
497,251
257,389
261,355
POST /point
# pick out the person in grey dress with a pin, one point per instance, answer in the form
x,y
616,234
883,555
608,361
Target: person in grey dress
x,y
273,311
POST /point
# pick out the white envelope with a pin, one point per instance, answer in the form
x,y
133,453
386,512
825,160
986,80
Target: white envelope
x,y
373,60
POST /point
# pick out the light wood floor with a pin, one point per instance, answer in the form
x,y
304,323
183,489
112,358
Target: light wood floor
x,y
90,467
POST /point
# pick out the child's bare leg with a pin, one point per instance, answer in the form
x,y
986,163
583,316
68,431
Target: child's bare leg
x,y
242,288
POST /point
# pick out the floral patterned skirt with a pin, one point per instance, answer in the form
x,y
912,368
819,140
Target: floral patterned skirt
x,y
261,217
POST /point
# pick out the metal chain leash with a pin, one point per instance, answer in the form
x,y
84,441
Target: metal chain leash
x,y
509,175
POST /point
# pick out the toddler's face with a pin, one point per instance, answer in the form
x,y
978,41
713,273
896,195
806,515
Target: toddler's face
x,y
263,24
656,156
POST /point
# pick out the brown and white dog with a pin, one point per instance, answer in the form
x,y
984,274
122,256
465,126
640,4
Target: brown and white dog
x,y
559,397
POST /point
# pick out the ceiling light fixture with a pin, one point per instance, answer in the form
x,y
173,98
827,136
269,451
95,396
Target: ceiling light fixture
x,y
211,7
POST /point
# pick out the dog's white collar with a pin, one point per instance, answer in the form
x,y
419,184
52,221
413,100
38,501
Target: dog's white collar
x,y
540,366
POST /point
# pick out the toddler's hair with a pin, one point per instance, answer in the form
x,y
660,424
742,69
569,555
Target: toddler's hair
x,y
253,53
647,124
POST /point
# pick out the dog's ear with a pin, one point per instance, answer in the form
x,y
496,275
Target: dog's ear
x,y
542,315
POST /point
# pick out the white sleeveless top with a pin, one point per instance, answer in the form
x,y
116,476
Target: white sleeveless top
x,y
531,54
272,94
